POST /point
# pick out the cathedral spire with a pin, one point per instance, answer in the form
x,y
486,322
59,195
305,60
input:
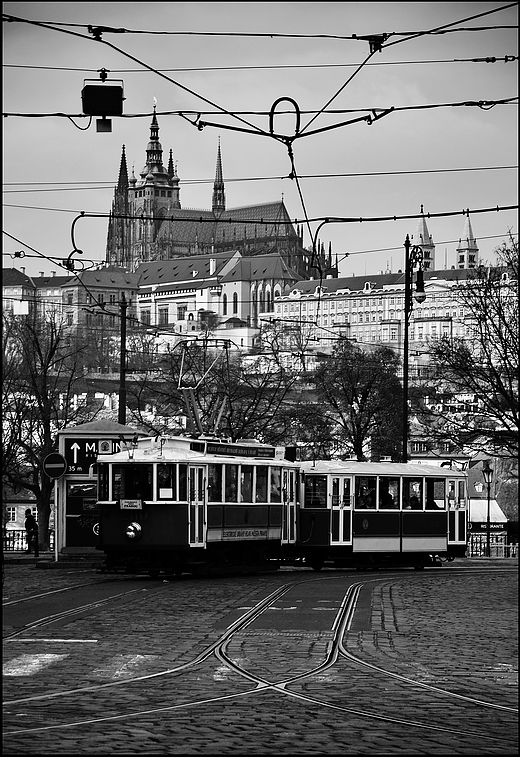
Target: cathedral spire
x,y
423,239
467,249
122,183
219,197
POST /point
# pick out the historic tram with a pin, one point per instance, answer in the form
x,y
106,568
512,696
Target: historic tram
x,y
376,514
178,504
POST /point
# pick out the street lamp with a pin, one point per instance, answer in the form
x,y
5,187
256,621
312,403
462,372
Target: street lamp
x,y
487,472
413,256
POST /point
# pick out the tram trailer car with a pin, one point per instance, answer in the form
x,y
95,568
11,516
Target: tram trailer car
x,y
365,514
175,504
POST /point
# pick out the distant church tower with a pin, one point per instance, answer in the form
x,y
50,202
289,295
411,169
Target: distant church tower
x,y
423,239
219,196
467,251
148,200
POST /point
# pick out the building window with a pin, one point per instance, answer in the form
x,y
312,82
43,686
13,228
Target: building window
x,y
146,316
70,296
11,514
163,316
181,312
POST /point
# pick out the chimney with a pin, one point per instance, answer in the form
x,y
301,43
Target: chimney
x,y
53,273
40,273
22,269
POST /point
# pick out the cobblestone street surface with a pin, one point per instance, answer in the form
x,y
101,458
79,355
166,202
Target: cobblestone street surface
x,y
133,688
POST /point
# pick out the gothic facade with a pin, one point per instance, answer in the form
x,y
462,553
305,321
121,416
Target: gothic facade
x,y
148,223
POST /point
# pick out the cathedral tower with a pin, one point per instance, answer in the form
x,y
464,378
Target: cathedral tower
x,y
467,251
148,201
423,239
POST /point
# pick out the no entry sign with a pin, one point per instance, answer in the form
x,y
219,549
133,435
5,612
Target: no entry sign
x,y
54,465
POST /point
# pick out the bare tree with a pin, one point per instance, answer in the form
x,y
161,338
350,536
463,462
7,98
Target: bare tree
x,y
476,376
40,373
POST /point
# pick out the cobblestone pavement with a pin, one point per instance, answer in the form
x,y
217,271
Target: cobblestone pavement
x,y
439,629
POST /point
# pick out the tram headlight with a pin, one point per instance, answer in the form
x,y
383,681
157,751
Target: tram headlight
x,y
133,531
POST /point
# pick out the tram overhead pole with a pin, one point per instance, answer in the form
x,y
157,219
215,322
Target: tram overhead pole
x,y
413,257
122,363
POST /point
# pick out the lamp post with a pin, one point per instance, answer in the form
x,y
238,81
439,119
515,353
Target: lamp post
x,y
487,472
122,364
413,256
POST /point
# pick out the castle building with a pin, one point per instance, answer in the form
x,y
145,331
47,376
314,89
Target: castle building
x,y
148,223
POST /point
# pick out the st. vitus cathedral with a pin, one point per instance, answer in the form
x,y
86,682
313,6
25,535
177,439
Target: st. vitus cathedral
x,y
147,221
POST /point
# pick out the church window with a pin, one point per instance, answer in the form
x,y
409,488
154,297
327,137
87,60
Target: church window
x,y
235,303
224,305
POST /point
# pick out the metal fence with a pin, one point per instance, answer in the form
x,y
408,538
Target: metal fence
x,y
498,547
16,541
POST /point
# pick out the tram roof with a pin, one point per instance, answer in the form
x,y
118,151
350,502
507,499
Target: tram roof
x,y
356,467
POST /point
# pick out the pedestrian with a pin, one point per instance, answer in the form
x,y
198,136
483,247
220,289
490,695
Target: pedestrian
x,y
31,530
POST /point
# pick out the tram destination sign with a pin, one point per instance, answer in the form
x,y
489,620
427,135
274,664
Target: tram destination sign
x,y
80,454
215,448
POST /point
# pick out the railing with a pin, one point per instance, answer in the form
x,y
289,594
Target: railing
x,y
477,547
16,541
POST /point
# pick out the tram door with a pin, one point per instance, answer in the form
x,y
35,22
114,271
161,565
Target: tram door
x,y
196,518
341,510
457,512
289,507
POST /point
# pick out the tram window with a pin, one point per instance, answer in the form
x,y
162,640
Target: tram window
x,y
261,483
133,482
276,485
231,485
365,493
388,493
451,495
462,494
316,491
246,483
435,494
412,494
167,481
215,482
183,483
103,481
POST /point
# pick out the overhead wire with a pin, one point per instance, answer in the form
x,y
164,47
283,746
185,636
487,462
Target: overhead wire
x,y
276,67
110,184
376,44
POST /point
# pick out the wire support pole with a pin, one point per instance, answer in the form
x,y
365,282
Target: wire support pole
x,y
413,256
122,364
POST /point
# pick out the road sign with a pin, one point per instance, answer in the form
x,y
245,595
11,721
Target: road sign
x,y
81,453
54,465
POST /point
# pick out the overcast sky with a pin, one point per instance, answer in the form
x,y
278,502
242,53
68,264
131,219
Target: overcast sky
x,y
446,159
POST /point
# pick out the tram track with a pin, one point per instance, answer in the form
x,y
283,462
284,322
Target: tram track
x,y
279,684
